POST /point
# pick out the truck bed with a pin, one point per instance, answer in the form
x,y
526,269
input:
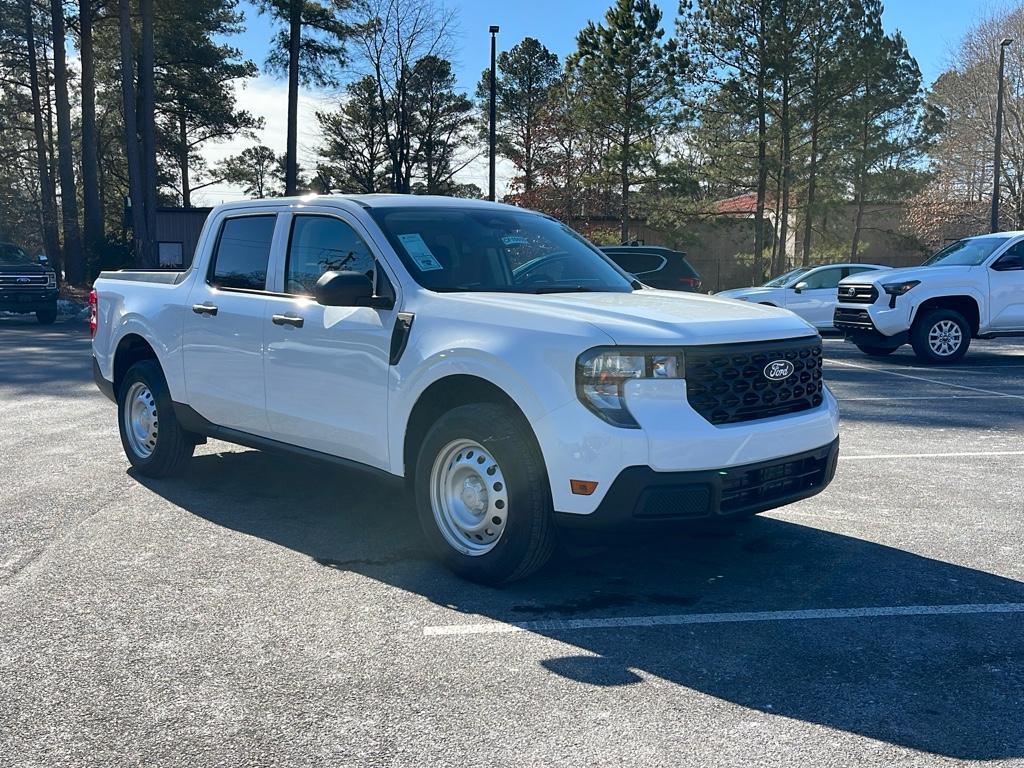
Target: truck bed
x,y
162,276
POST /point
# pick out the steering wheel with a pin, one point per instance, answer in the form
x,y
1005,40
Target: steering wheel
x,y
530,274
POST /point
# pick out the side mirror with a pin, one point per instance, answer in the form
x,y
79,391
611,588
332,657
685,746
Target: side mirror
x,y
343,289
1009,263
800,287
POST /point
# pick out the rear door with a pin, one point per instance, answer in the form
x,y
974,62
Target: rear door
x,y
327,367
223,335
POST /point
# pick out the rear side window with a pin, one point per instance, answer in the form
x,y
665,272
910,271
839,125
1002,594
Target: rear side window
x,y
638,263
243,252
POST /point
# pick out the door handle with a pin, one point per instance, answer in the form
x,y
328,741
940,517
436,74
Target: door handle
x,y
204,309
287,320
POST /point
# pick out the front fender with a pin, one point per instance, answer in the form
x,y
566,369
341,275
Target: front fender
x,y
536,396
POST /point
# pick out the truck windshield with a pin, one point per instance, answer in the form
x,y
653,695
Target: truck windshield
x,y
965,253
782,279
13,256
481,249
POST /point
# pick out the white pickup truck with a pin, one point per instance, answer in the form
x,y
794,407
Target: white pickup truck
x,y
490,356
973,288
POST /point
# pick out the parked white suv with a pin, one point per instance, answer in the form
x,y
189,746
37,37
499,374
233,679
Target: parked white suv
x,y
809,292
973,288
512,374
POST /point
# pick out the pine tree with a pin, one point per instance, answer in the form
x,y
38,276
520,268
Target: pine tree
x,y
628,74
309,49
526,76
441,119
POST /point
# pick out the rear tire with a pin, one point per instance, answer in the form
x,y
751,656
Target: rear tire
x,y
153,441
940,336
482,494
46,316
876,351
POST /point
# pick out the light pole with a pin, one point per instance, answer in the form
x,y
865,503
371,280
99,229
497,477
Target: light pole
x,y
491,138
999,134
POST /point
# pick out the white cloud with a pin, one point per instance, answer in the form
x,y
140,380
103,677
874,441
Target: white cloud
x,y
267,97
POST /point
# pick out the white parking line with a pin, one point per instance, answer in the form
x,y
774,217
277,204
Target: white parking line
x,y
923,397
817,614
949,455
922,378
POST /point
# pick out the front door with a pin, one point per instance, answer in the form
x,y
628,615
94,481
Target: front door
x,y
223,332
816,302
1006,290
327,367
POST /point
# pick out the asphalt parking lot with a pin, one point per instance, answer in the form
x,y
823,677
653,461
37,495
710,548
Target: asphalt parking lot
x,y
265,611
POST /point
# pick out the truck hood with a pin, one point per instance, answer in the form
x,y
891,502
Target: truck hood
x,y
886,276
649,316
24,269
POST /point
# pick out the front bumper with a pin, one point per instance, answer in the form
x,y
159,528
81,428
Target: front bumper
x,y
28,301
858,325
642,497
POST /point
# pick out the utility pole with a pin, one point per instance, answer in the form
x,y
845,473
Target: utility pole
x,y
492,136
999,135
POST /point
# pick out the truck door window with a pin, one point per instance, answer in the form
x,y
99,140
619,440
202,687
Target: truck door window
x,y
321,244
243,252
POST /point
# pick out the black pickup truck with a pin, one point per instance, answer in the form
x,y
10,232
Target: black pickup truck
x,y
27,286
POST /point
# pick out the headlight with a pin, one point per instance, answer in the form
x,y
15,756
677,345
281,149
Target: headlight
x,y
898,289
602,373
51,279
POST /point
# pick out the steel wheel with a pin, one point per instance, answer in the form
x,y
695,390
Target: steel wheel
x,y
945,338
468,497
140,419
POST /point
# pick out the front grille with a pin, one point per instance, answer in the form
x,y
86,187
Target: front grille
x,y
852,318
857,294
727,383
754,487
22,282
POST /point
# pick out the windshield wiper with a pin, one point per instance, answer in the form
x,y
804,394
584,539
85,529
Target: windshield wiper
x,y
564,289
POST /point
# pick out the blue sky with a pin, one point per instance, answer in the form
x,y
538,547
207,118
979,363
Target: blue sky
x,y
932,28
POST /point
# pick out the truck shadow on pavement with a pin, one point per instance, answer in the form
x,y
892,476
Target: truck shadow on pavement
x,y
45,359
950,685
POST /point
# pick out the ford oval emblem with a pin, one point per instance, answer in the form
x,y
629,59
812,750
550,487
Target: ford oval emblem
x,y
777,370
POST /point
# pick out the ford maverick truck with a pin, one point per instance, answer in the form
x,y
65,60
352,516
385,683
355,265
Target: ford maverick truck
x,y
513,376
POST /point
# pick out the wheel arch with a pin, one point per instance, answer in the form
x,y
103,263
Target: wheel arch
x,y
131,349
965,304
441,396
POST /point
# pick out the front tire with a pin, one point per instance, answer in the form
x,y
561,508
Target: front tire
x,y
940,336
153,441
482,494
46,316
876,351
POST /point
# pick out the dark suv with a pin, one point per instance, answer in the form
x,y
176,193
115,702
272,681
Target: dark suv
x,y
26,286
655,266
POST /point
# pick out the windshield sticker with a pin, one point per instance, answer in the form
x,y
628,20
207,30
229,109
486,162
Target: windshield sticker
x,y
514,240
419,252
